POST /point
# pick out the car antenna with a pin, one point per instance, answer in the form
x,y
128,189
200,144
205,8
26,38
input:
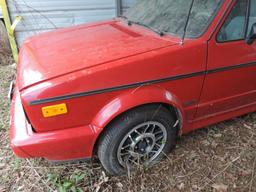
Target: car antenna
x,y
186,24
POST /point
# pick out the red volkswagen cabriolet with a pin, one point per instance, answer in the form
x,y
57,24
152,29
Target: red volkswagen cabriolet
x,y
124,89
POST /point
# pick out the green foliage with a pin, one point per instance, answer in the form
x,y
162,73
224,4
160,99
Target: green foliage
x,y
70,184
16,163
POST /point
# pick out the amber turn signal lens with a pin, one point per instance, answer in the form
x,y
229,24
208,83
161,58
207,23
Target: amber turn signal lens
x,y
54,110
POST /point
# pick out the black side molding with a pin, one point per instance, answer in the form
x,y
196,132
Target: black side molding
x,y
128,86
138,84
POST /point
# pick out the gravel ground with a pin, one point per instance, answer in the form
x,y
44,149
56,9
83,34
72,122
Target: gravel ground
x,y
221,158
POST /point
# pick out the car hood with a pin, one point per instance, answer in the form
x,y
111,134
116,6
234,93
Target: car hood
x,y
65,51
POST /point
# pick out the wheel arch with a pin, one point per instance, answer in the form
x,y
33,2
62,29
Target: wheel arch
x,y
148,95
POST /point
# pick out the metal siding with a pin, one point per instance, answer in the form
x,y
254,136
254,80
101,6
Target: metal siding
x,y
46,15
126,4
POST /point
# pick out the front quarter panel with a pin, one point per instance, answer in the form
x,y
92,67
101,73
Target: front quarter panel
x,y
166,68
133,98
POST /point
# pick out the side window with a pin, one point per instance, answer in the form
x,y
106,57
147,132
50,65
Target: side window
x,y
252,16
234,27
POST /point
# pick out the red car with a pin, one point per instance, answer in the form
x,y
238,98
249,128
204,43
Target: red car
x,y
124,89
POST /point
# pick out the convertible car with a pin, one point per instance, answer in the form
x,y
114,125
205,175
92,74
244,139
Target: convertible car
x,y
124,89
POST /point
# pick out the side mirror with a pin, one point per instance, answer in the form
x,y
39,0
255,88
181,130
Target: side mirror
x,y
252,36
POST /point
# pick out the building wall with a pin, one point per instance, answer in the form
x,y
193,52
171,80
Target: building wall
x,y
126,4
1,15
46,15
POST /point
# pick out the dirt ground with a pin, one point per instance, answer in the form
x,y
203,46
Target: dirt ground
x,y
221,157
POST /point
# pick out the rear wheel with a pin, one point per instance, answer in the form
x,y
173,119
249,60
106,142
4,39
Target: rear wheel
x,y
140,137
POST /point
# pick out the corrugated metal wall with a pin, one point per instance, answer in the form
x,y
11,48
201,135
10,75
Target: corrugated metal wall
x,y
44,15
126,4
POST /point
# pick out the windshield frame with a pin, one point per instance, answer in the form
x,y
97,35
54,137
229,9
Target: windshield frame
x,y
205,29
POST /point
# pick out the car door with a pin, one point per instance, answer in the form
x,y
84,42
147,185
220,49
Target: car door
x,y
230,82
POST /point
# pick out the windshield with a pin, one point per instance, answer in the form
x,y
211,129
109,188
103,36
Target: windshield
x,y
169,16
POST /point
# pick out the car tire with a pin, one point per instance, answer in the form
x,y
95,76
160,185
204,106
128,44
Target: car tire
x,y
134,128
5,49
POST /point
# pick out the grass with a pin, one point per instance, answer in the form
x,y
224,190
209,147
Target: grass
x,y
221,157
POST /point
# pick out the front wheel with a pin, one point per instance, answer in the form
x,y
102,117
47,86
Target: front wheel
x,y
142,136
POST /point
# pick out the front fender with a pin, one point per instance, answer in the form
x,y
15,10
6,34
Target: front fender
x,y
133,98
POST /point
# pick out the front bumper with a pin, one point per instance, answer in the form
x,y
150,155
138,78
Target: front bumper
x,y
68,144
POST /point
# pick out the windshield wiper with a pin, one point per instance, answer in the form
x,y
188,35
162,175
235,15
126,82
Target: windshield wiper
x,y
161,33
123,17
129,22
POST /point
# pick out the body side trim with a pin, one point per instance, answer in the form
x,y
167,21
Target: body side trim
x,y
232,67
128,86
